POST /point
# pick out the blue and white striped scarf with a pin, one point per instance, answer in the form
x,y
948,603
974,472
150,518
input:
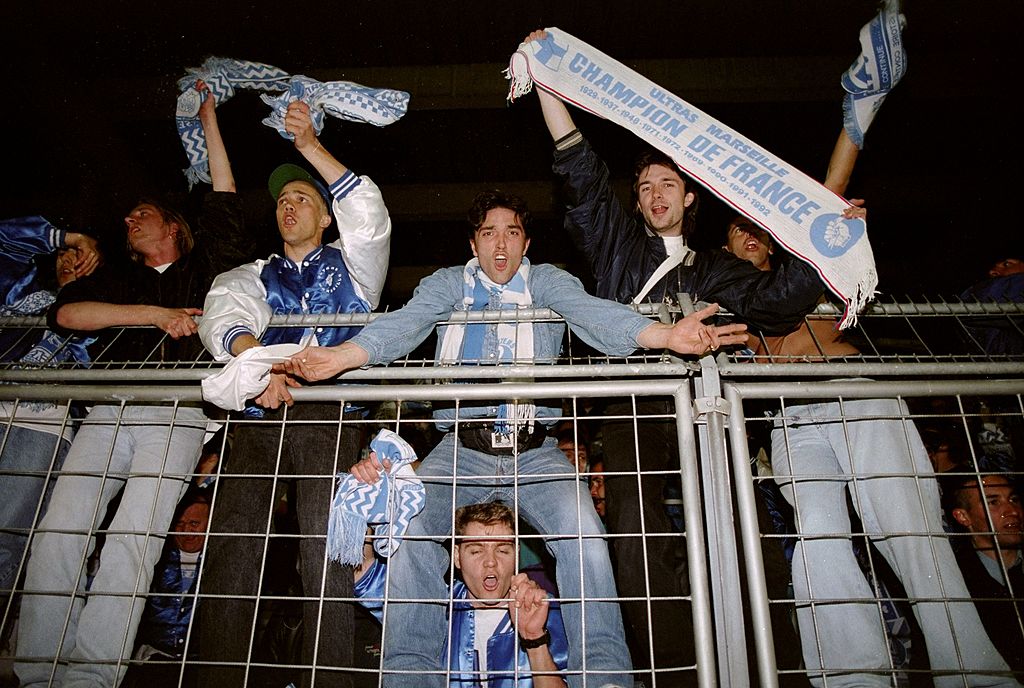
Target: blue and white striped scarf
x,y
511,341
388,504
879,67
342,99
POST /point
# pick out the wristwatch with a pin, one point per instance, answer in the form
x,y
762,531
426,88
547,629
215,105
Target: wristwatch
x,y
536,642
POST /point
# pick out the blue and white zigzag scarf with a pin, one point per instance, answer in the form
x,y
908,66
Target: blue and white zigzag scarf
x,y
876,70
388,504
511,341
342,99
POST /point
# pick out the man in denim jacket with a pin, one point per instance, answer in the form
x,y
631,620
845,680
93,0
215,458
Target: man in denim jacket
x,y
492,604
505,438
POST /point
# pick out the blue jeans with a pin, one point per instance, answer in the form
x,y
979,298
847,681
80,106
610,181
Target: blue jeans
x,y
29,460
415,630
881,460
150,451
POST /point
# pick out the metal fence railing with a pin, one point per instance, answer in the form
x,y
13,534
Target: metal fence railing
x,y
758,532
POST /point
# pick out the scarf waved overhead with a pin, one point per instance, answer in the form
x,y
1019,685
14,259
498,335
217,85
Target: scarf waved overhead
x,y
510,341
875,72
801,215
388,504
342,99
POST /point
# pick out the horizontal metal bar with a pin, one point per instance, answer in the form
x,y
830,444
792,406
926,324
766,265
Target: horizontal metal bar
x,y
435,392
940,308
397,372
833,370
542,372
868,389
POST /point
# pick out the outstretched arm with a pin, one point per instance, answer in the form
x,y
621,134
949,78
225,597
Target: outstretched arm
x,y
220,167
87,316
691,336
321,362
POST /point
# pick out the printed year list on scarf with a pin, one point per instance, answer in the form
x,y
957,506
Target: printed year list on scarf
x,y
803,216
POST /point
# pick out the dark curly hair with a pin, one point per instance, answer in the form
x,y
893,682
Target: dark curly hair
x,y
486,201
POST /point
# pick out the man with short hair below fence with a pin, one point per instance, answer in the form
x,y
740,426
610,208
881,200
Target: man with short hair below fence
x,y
505,439
492,604
989,510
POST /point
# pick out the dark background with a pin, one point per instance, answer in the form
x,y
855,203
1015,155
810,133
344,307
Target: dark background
x,y
88,127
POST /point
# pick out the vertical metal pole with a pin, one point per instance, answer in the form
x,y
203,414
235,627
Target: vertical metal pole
x,y
700,596
757,588
724,559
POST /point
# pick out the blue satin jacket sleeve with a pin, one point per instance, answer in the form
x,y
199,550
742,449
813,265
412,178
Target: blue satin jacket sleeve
x,y
21,239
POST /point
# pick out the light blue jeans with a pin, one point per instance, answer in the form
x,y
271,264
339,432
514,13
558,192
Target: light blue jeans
x,y
150,451
881,460
415,630
29,461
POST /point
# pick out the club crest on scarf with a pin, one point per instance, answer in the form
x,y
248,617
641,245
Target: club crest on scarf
x,y
797,210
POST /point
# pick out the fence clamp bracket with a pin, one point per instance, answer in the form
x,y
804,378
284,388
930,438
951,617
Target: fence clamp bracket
x,y
705,405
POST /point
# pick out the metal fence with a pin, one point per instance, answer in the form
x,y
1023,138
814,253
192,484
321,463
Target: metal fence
x,y
730,521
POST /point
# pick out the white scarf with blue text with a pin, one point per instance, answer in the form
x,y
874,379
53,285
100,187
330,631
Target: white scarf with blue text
x,y
803,216
342,99
507,341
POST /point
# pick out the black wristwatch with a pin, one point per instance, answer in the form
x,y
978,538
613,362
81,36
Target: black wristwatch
x,y
536,642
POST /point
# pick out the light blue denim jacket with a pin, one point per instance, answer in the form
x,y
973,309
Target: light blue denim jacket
x,y
605,325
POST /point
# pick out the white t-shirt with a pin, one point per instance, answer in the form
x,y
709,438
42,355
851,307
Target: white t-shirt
x,y
485,620
673,243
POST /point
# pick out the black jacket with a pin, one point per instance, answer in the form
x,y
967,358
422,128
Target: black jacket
x,y
1000,612
220,244
623,254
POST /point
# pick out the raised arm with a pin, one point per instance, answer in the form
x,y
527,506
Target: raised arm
x,y
298,123
364,226
220,167
556,115
840,165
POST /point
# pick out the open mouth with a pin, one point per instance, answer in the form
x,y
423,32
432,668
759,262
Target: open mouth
x,y
500,261
490,583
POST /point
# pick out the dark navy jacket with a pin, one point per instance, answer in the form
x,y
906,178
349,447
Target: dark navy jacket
x,y
623,255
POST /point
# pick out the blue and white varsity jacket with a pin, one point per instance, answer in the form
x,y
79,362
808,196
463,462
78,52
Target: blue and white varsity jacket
x,y
345,276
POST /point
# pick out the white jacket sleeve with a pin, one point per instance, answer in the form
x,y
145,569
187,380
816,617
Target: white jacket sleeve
x,y
365,234
235,305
